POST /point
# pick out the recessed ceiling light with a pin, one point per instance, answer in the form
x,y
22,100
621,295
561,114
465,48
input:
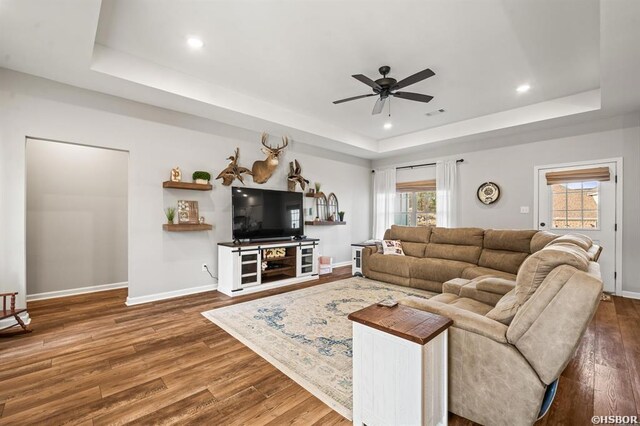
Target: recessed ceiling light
x,y
195,43
523,88
388,126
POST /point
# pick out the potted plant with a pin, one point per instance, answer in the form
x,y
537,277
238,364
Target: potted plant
x,y
171,214
317,185
201,177
341,216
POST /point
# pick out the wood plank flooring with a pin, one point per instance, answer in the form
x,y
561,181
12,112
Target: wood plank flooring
x,y
93,361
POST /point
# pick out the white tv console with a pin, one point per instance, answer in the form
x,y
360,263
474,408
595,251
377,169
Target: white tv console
x,y
240,265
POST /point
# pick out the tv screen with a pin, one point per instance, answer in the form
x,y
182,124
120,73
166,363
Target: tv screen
x,y
266,214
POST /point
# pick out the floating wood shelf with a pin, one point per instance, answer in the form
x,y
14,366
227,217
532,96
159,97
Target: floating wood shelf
x,y
314,195
186,227
187,185
324,222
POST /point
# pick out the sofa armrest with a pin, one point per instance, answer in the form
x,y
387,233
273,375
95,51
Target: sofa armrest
x,y
495,285
465,320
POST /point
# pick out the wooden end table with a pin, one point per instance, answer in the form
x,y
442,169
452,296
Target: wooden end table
x,y
399,366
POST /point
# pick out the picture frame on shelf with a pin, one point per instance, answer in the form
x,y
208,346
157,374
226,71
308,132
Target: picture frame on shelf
x,y
188,212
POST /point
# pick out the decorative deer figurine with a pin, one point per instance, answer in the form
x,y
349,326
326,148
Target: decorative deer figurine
x,y
263,169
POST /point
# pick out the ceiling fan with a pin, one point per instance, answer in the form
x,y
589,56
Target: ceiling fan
x,y
387,86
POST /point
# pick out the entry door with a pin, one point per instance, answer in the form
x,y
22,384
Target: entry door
x,y
587,207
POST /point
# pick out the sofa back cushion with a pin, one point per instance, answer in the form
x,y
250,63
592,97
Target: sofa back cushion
x,y
413,234
509,239
502,260
461,244
540,240
413,249
579,240
457,236
462,253
536,268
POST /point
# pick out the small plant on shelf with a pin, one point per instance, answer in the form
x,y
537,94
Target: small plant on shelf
x,y
341,216
171,214
201,177
317,185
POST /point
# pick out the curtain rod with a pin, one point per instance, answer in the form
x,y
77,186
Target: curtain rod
x,y
420,165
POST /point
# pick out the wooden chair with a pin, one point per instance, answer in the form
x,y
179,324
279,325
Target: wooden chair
x,y
12,312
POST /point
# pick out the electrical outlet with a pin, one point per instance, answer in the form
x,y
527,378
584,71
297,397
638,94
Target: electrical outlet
x,y
524,209
204,267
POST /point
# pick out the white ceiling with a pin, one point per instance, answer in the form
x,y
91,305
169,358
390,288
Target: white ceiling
x,y
278,65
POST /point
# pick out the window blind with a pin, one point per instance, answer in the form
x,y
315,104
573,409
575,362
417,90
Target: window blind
x,y
416,186
579,175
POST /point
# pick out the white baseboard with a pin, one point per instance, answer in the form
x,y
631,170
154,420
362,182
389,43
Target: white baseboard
x,y
631,294
339,264
169,294
75,291
8,322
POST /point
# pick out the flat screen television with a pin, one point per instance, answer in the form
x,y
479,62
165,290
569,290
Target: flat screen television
x,y
260,214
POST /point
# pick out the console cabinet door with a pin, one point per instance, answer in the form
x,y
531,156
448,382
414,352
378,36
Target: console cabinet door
x,y
249,268
307,263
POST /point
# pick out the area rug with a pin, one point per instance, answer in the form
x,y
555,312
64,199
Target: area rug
x,y
306,333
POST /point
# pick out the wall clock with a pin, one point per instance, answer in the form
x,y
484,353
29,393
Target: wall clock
x,y
488,193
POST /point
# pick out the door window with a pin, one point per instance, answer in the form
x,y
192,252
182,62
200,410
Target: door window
x,y
575,205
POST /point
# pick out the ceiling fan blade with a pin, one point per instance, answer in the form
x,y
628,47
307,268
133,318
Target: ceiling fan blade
x,y
354,98
366,80
377,108
413,96
412,79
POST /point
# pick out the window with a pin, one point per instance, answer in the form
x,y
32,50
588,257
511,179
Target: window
x,y
295,218
575,205
417,208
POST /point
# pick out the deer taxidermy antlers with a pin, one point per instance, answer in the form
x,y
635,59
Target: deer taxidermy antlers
x,y
263,169
233,171
295,176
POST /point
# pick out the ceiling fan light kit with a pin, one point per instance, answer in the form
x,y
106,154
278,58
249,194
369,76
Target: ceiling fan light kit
x,y
387,86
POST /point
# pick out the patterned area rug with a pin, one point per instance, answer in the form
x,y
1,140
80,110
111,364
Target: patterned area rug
x,y
306,333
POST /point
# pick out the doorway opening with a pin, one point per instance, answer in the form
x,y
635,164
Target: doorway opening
x,y
585,198
77,219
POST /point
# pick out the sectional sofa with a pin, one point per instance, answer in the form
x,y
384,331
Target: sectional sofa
x,y
520,301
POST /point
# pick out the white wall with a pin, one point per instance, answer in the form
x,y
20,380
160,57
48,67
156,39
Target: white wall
x,y
157,140
76,216
512,168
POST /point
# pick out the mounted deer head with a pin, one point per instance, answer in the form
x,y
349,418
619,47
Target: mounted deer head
x,y
263,169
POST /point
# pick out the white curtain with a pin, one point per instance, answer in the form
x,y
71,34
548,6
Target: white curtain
x,y
446,193
384,195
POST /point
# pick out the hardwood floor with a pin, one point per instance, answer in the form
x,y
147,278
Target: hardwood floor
x,y
92,360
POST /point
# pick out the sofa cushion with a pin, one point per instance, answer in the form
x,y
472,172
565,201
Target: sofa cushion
x,y
413,249
458,236
471,291
580,240
478,271
414,234
393,265
535,269
507,239
463,253
434,286
462,303
502,260
439,270
505,309
541,239
453,286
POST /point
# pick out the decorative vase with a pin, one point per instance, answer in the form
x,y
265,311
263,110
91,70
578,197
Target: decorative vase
x,y
202,181
341,216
